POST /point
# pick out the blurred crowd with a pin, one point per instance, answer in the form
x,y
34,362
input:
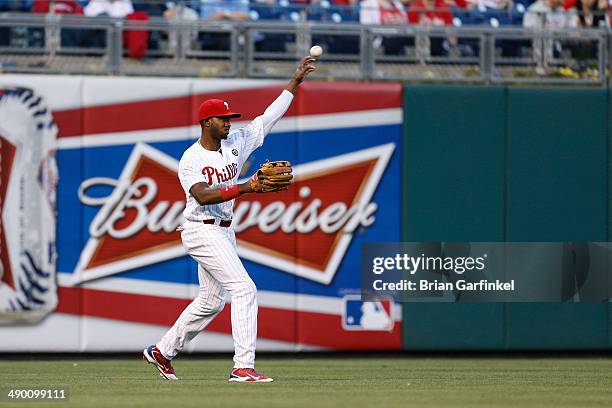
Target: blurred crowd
x,y
530,13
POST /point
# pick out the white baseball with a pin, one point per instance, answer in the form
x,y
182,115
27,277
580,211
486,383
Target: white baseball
x,y
316,51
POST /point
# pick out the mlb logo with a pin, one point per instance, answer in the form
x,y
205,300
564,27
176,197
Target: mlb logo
x,y
366,315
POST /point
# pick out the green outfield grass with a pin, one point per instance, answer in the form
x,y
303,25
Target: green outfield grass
x,y
324,382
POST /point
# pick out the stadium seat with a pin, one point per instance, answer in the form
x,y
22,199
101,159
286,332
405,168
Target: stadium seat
x,y
325,11
292,11
264,11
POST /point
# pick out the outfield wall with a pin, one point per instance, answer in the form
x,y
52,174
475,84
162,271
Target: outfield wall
x,y
454,163
513,164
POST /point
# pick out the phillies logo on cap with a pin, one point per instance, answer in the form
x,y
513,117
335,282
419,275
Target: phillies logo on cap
x,y
328,201
215,107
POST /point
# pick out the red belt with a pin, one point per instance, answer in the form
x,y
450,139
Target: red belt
x,y
221,223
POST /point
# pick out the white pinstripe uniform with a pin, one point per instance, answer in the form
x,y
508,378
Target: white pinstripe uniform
x,y
213,246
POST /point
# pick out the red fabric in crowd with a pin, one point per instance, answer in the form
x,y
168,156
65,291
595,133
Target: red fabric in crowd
x,y
393,15
136,40
418,12
568,4
59,7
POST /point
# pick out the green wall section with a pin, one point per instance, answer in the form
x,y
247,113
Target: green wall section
x,y
556,144
454,137
453,191
557,175
506,164
556,326
609,180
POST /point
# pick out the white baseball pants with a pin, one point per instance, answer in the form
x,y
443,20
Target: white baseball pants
x,y
219,270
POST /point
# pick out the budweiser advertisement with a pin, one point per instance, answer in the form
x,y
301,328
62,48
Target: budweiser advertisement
x,y
122,274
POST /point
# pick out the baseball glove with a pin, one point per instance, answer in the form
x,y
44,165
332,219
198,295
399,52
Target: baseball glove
x,y
272,176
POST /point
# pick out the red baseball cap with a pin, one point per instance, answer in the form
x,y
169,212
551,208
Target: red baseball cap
x,y
215,107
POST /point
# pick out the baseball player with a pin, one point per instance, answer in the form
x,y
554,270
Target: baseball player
x,y
208,172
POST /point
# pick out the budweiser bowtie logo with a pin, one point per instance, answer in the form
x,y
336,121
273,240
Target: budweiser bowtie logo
x,y
306,229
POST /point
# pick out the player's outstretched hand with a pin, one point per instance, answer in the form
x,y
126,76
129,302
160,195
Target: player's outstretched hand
x,y
303,70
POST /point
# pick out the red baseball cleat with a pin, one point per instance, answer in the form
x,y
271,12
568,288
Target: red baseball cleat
x,y
247,375
152,355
